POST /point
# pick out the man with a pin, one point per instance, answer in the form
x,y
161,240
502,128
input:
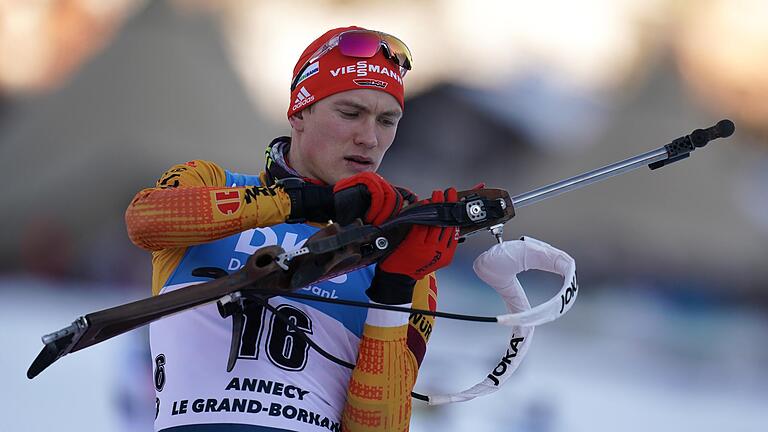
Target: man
x,y
346,101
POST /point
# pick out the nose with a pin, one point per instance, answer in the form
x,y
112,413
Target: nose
x,y
365,135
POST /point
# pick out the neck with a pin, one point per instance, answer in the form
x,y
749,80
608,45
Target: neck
x,y
285,163
293,162
277,166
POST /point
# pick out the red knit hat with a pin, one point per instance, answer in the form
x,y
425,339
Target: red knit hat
x,y
334,73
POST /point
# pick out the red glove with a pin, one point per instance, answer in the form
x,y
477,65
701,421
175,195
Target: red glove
x,y
426,248
384,201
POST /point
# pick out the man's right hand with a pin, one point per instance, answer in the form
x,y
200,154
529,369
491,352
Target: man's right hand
x,y
366,196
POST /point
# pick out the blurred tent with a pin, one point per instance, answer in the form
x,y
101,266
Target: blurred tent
x,y
163,93
43,43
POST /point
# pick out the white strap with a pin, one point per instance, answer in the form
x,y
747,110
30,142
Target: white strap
x,y
499,267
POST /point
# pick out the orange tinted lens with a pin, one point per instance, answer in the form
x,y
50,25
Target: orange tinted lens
x,y
399,50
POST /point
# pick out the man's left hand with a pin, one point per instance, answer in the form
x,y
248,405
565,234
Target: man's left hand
x,y
424,250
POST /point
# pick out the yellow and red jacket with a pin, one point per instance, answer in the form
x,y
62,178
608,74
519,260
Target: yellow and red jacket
x,y
200,215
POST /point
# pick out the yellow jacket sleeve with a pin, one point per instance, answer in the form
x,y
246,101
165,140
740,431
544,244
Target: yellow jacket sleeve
x,y
379,394
190,204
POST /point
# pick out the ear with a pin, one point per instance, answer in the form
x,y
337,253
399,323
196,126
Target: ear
x,y
297,121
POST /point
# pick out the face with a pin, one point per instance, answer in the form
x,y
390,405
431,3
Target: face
x,y
344,134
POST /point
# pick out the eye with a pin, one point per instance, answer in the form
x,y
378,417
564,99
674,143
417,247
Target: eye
x,y
386,121
348,114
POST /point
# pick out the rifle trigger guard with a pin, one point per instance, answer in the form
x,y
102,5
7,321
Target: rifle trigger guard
x,y
233,305
230,304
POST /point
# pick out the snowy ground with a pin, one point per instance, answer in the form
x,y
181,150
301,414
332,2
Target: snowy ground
x,y
626,361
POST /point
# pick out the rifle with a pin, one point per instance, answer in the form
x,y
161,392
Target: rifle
x,y
336,250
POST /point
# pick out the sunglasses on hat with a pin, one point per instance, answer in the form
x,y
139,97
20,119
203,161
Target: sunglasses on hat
x,y
363,44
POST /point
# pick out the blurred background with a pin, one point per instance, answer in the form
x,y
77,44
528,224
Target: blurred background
x,y
99,97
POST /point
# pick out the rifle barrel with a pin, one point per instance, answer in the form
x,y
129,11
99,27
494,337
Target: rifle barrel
x,y
588,178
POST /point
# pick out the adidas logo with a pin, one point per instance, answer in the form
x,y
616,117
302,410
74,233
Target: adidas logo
x,y
302,98
303,94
